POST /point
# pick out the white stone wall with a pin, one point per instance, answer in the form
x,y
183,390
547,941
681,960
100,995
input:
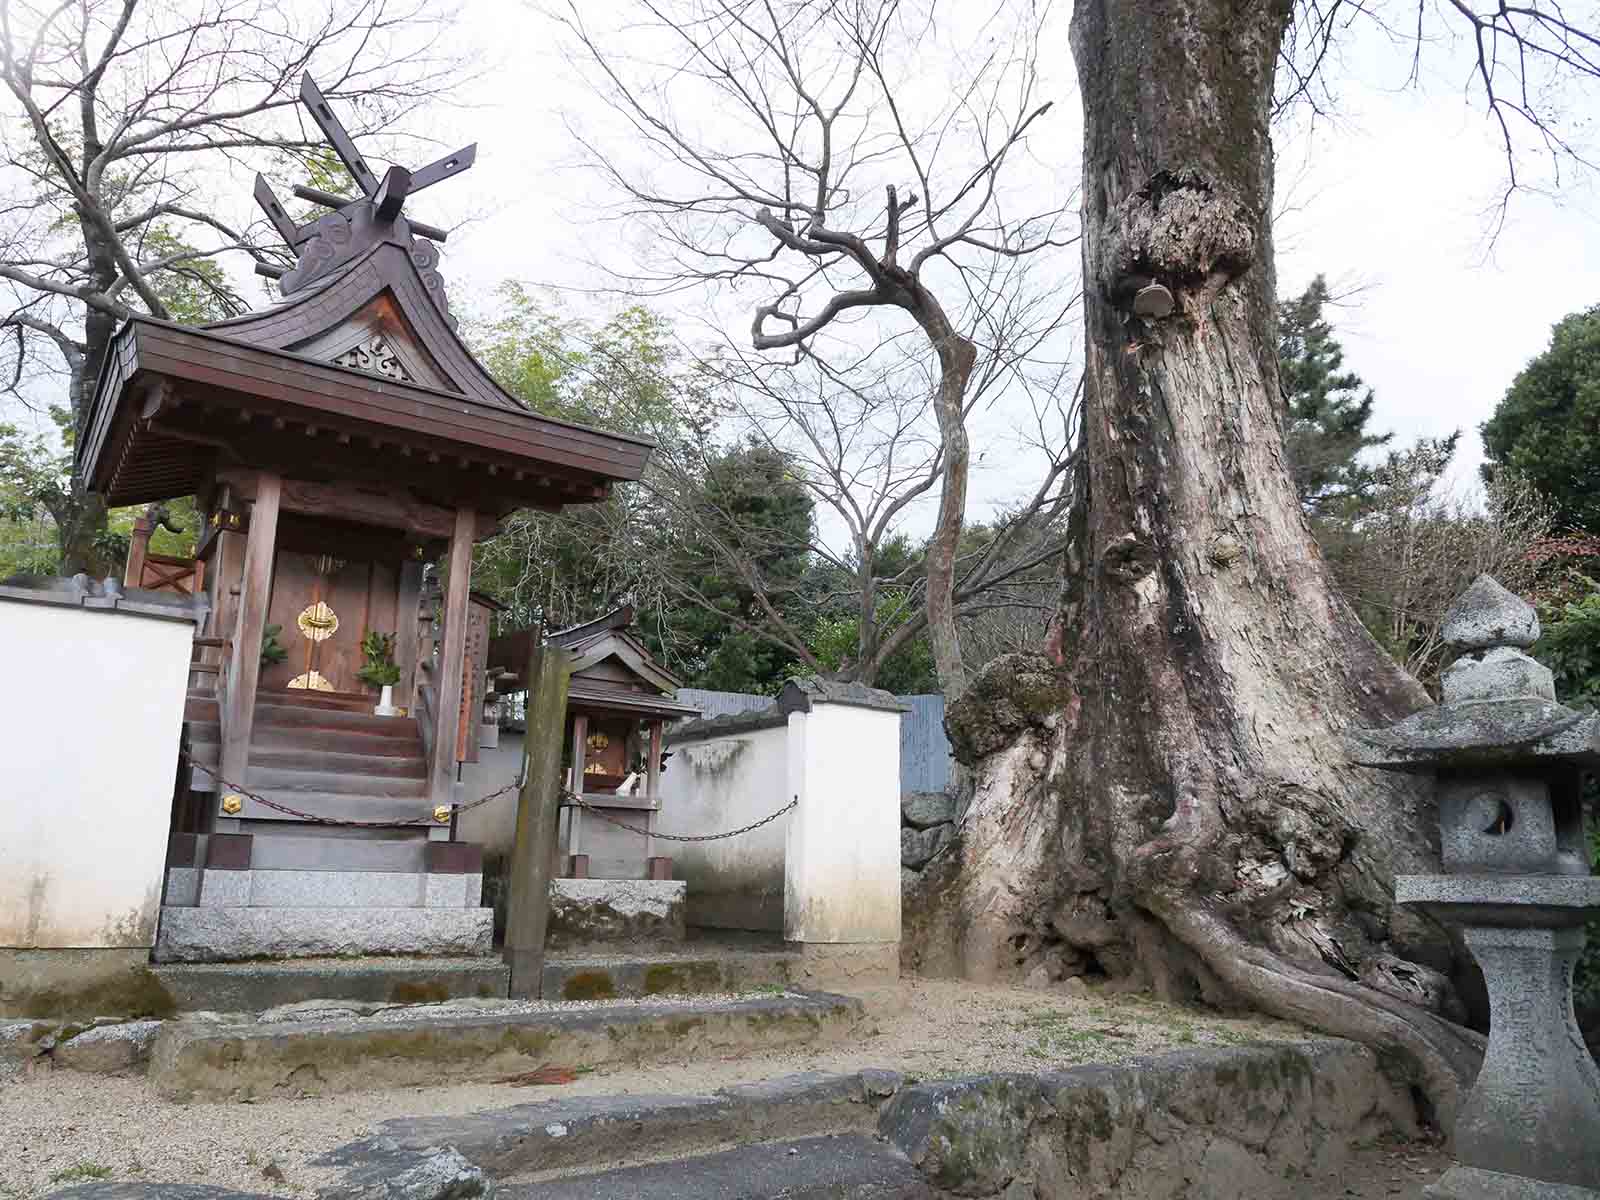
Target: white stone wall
x,y
842,862
723,783
91,706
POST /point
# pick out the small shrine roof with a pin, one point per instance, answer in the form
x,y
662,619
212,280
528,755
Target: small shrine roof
x,y
358,374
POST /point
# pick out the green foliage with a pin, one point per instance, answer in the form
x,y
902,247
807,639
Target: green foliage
x,y
379,670
908,671
272,650
1570,647
1547,426
1327,408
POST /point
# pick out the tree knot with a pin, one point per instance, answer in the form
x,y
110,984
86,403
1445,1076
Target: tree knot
x,y
1128,559
1177,234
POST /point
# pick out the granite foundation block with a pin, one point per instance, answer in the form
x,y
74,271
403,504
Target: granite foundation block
x,y
206,934
322,889
615,913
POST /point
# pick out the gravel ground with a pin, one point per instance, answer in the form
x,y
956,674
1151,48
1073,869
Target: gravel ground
x,y
62,1126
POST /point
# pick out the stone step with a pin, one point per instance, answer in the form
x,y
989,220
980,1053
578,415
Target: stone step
x,y
302,778
217,934
600,977
538,1139
245,1062
256,986
328,889
846,1167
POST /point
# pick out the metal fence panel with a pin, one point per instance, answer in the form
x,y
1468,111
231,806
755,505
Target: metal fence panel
x,y
924,750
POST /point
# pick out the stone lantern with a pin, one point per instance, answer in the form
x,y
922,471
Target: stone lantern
x,y
1508,761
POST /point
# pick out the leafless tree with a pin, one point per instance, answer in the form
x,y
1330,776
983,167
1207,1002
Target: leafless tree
x,y
864,443
846,176
124,120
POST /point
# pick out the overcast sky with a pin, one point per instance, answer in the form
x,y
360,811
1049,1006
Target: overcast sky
x,y
1392,196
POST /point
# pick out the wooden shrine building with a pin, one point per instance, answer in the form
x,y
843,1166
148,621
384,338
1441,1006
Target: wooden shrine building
x,y
618,704
337,443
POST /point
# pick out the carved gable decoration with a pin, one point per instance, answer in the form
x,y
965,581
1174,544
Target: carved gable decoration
x,y
376,356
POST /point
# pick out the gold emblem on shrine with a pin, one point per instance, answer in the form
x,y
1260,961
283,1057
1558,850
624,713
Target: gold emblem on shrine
x,y
233,804
441,814
311,681
318,622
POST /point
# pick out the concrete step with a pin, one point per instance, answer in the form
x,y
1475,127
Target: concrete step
x,y
597,977
245,1062
307,779
218,934
847,1167
256,986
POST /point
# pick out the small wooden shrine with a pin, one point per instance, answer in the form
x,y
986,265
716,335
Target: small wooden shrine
x,y
618,703
337,442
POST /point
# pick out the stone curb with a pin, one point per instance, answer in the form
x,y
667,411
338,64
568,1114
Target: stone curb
x,y
597,978
246,1062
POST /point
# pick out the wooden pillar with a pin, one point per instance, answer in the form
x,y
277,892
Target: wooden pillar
x,y
407,638
138,548
652,787
447,700
580,751
244,664
538,814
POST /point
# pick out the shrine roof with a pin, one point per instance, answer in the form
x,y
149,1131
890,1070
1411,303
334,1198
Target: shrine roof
x,y
611,667
353,375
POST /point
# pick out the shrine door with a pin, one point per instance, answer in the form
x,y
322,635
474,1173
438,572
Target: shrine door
x,y
325,606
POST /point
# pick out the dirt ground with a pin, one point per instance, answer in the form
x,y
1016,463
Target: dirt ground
x,y
61,1126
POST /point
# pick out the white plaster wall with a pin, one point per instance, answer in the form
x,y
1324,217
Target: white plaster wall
x,y
91,706
843,850
719,784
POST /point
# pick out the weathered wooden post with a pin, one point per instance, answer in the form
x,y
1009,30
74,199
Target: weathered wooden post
x,y
1508,760
538,813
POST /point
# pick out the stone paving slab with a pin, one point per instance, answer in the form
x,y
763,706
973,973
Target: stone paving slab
x,y
312,1058
847,1167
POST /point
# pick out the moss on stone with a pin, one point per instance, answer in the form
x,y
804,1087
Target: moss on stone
x,y
589,985
412,992
135,993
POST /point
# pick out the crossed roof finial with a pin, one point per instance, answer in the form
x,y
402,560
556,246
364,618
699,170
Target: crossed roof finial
x,y
386,196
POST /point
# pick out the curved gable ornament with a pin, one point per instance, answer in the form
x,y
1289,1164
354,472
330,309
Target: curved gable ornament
x,y
376,357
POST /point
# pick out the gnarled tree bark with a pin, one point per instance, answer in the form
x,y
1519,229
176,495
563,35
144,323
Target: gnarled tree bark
x,y
1177,810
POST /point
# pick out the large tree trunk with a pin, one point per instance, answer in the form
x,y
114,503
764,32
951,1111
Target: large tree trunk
x,y
1168,801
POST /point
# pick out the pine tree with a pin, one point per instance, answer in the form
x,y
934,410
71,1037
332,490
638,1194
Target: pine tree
x,y
1327,408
